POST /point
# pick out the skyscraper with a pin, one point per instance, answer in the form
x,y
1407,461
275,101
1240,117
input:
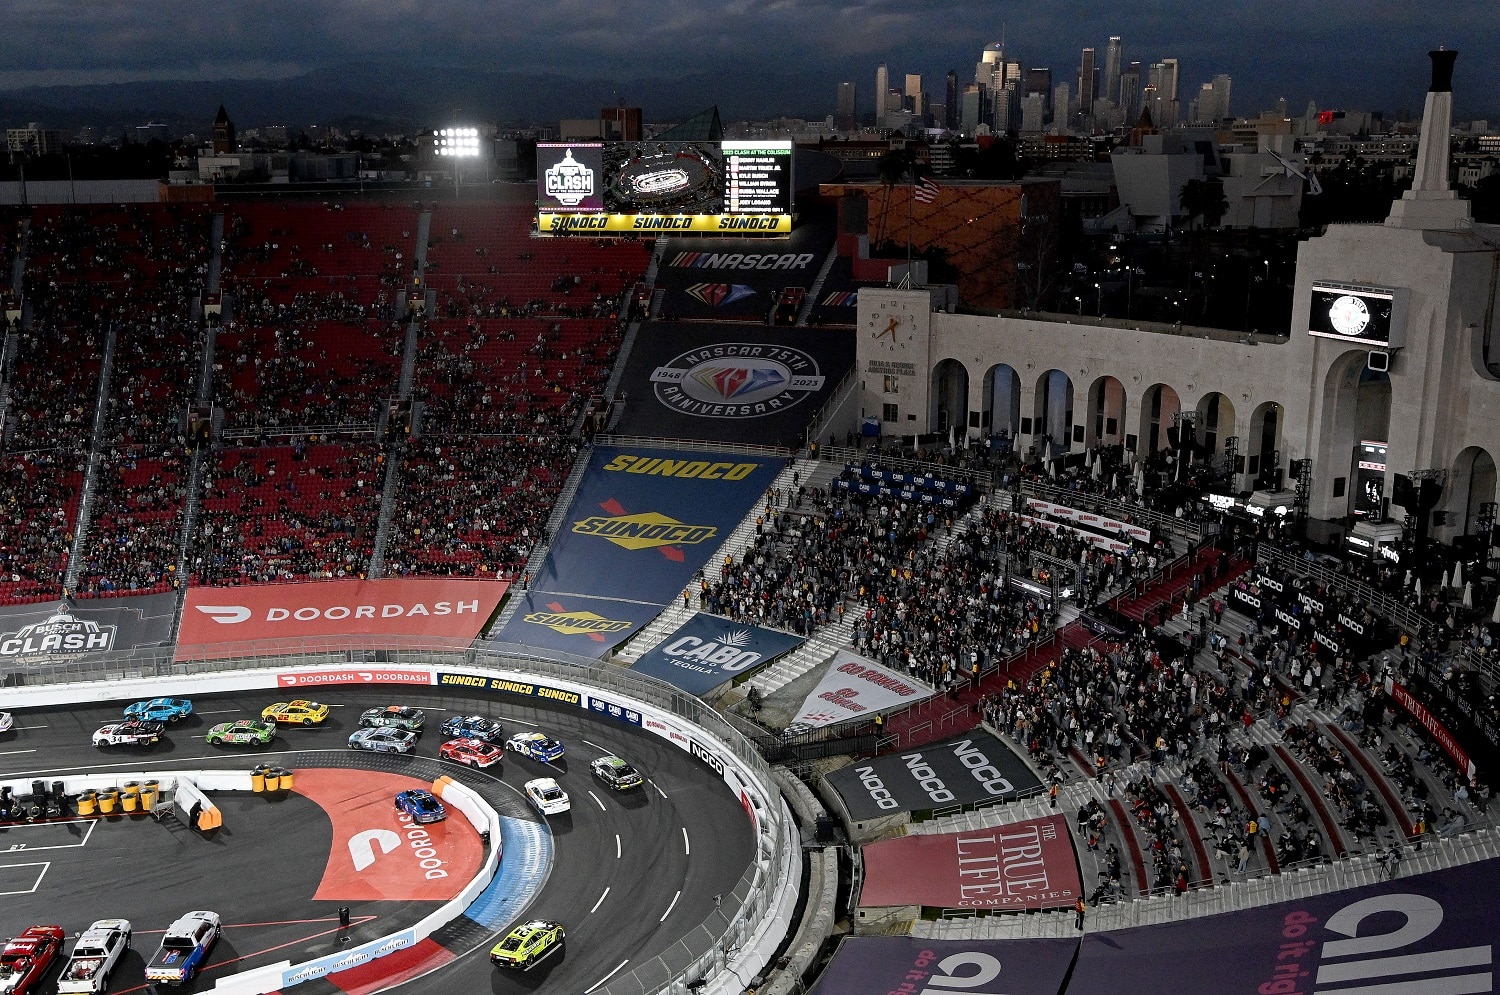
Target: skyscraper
x,y
1113,52
882,87
1164,75
913,94
1038,81
846,117
1130,94
1086,76
1221,92
950,103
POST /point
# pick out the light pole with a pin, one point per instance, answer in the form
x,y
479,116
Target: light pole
x,y
458,144
1099,300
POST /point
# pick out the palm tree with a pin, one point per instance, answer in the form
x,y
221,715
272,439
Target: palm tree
x,y
892,168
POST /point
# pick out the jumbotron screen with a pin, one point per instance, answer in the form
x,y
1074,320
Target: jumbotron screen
x,y
735,188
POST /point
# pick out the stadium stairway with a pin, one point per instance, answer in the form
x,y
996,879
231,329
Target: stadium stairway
x,y
813,292
91,475
675,614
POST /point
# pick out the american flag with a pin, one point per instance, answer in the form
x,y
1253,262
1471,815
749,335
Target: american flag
x,y
926,191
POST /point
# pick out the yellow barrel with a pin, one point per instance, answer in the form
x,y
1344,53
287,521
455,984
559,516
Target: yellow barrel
x,y
286,778
107,801
87,802
149,791
273,779
129,800
258,779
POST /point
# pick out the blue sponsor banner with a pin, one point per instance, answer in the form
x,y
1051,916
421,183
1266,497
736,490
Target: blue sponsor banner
x,y
708,651
644,521
620,713
574,624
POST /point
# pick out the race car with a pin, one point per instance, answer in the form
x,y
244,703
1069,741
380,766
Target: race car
x,y
547,796
160,709
6,722
616,773
536,745
528,943
184,948
383,740
470,752
244,732
134,732
421,805
24,960
300,712
473,727
399,716
95,956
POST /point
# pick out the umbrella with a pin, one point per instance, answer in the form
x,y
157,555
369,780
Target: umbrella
x,y
1458,574
1098,466
1445,578
1418,588
1495,615
1468,595
1407,581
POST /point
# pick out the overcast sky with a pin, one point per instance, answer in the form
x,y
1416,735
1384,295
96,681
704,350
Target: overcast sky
x,y
1363,54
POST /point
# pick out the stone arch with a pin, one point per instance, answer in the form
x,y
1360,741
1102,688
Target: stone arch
x,y
1104,423
1052,414
950,399
1213,425
1262,446
1158,405
1356,407
1471,485
1002,401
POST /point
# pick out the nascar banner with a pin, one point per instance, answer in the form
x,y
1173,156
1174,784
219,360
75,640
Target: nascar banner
x,y
645,521
745,384
51,632
573,623
907,964
450,608
740,280
1425,933
853,687
1023,865
975,767
708,650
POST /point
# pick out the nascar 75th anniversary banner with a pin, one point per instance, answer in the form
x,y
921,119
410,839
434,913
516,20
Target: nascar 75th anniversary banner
x,y
707,651
908,965
853,687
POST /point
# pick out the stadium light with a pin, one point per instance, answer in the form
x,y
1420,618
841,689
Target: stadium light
x,y
457,144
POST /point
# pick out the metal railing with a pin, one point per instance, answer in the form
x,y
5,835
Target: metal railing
x,y
1125,511
692,445
1397,611
980,478
703,949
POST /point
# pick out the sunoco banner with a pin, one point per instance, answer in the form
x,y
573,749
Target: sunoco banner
x,y
447,608
575,624
1429,933
907,965
1024,865
853,687
645,521
975,767
708,651
43,633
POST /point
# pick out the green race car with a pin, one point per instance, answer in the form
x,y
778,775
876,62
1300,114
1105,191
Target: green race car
x,y
251,732
528,943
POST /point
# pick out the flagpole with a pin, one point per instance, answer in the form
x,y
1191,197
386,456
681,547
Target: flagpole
x,y
911,208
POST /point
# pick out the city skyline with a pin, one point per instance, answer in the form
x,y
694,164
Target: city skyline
x,y
1352,53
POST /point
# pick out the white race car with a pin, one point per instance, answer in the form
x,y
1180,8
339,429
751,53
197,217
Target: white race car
x,y
132,732
6,721
547,796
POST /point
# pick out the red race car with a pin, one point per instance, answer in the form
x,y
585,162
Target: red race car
x,y
26,958
470,752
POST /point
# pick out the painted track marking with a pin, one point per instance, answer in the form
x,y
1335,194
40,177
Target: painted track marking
x,y
611,974
618,849
687,850
672,905
600,902
596,799
658,789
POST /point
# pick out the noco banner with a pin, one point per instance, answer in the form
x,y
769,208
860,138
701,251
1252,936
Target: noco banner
x,y
1023,865
908,965
448,608
34,635
575,624
644,521
751,384
853,687
1429,933
972,768
707,651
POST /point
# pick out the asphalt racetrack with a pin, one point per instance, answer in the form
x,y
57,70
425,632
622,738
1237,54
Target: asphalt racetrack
x,y
630,872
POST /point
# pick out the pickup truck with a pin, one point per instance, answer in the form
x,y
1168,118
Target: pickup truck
x,y
184,948
95,957
25,960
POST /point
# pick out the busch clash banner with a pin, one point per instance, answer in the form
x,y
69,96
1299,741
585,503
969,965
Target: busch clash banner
x,y
49,632
1430,934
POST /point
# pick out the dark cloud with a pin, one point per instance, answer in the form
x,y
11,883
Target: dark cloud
x,y
1358,53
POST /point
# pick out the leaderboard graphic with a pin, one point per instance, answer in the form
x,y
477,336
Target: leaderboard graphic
x,y
737,188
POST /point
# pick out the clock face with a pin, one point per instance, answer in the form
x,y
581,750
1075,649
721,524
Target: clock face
x,y
891,328
1348,315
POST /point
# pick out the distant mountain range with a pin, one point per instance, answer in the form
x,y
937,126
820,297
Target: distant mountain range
x,y
381,97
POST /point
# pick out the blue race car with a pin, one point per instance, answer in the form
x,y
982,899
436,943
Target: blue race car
x,y
160,710
421,806
536,745
473,727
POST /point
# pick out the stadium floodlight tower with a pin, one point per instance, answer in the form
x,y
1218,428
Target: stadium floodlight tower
x,y
458,144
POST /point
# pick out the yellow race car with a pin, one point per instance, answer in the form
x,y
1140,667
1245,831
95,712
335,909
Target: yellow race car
x,y
299,712
528,943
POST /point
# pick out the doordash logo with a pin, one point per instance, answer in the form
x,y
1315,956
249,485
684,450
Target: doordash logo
x,y
225,614
362,846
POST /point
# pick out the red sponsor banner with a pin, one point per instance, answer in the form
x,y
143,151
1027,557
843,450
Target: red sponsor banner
x,y
439,607
379,854
1023,865
352,675
1430,722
